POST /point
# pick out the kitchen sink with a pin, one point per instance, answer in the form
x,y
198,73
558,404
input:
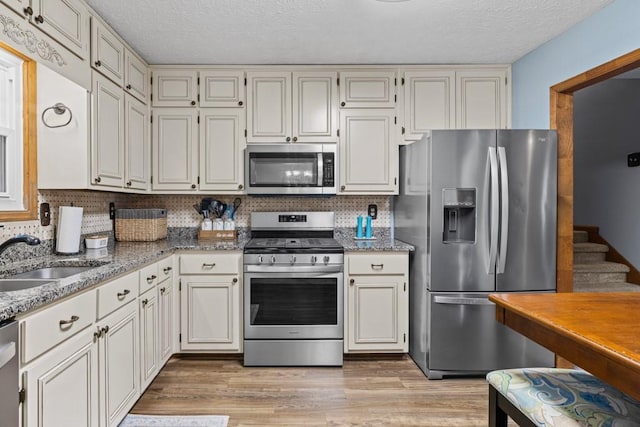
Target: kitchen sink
x,y
10,285
53,272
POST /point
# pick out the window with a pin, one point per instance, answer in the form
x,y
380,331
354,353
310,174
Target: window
x,y
18,192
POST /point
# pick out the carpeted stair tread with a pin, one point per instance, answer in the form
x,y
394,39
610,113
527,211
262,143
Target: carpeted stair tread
x,y
606,287
600,267
580,236
590,247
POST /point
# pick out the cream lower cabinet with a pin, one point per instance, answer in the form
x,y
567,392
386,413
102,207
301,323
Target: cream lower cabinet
x,y
211,302
149,336
377,303
165,309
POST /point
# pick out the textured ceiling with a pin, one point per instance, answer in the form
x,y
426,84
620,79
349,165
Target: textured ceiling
x,y
340,31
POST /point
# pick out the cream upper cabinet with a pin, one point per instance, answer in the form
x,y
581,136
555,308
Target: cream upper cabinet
x,y
175,153
481,99
368,152
136,76
174,88
137,146
107,52
292,107
376,291
222,145
429,102
223,88
269,109
367,89
107,143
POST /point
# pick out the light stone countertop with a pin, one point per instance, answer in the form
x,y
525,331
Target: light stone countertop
x,y
124,257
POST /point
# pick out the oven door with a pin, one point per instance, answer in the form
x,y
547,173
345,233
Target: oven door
x,y
293,305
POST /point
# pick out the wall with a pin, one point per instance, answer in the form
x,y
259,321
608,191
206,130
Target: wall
x,y
605,131
609,33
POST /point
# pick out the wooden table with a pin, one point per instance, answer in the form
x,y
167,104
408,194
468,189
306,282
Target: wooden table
x,y
599,332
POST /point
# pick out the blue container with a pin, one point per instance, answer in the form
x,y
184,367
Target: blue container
x,y
359,227
368,232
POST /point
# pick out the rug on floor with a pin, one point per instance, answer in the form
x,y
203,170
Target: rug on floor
x,y
134,420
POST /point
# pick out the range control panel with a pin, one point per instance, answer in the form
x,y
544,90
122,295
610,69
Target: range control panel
x,y
292,218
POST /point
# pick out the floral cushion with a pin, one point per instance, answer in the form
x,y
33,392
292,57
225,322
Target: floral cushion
x,y
565,397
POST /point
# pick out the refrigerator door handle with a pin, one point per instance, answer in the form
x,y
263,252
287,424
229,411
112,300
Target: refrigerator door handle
x,y
504,214
461,300
495,214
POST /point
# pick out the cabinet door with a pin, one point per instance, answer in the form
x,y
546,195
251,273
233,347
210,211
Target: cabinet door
x,y
137,144
221,149
18,6
107,52
174,88
481,99
377,318
165,325
210,307
136,76
67,21
368,152
315,99
62,387
118,364
368,89
175,135
149,345
429,102
107,145
269,109
222,89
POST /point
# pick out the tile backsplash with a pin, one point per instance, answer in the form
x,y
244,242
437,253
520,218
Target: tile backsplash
x,y
180,211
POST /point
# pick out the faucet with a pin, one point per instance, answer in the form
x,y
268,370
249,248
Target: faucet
x,y
20,238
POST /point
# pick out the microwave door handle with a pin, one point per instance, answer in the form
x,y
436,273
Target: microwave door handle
x,y
320,169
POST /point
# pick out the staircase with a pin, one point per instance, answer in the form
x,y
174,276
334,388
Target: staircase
x,y
591,273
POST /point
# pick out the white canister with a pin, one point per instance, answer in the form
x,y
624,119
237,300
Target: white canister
x,y
206,224
218,224
229,224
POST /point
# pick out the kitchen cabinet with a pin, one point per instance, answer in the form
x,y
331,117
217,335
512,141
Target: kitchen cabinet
x,y
368,151
66,21
292,107
174,88
211,302
107,52
136,76
377,303
368,89
137,145
222,89
429,102
481,99
175,150
165,309
222,144
149,337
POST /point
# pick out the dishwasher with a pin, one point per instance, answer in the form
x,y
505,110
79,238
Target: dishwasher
x,y
9,400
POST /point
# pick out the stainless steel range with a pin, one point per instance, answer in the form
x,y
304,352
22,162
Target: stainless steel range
x,y
293,291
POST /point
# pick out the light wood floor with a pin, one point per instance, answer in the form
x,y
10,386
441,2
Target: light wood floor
x,y
365,392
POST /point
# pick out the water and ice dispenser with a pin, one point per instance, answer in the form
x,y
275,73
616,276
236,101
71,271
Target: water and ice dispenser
x,y
459,209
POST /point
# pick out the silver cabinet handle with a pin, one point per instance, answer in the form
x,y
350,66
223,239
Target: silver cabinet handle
x,y
123,294
166,270
74,318
152,278
204,265
377,266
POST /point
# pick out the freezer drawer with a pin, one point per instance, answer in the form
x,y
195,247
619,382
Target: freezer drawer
x,y
466,338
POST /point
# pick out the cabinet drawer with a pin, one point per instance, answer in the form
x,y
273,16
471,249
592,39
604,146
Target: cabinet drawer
x,y
210,264
148,277
165,269
53,325
377,264
117,293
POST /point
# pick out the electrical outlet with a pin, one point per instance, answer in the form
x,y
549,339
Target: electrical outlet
x,y
633,160
372,211
112,210
45,214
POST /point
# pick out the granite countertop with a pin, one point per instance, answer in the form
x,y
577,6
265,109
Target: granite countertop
x,y
123,257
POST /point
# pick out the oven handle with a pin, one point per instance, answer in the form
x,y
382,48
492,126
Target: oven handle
x,y
293,271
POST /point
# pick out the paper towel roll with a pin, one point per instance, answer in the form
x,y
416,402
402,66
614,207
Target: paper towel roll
x,y
68,234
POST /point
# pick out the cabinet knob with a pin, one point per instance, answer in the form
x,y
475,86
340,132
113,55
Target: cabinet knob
x,y
342,104
98,179
240,187
352,281
39,19
163,290
193,102
235,280
166,270
128,87
144,302
342,188
28,11
295,139
193,186
98,63
105,330
128,183
288,139
240,103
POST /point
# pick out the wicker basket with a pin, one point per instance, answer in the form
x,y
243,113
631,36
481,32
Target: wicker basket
x,y
141,225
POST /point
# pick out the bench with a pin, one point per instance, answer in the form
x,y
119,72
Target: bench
x,y
536,397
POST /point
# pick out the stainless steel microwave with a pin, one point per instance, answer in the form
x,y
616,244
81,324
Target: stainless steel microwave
x,y
293,169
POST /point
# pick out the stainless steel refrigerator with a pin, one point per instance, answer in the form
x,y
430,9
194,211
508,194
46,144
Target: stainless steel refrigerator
x,y
480,208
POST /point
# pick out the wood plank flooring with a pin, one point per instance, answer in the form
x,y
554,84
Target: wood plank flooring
x,y
365,392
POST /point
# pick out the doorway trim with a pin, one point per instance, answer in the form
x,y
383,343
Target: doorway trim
x,y
561,98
